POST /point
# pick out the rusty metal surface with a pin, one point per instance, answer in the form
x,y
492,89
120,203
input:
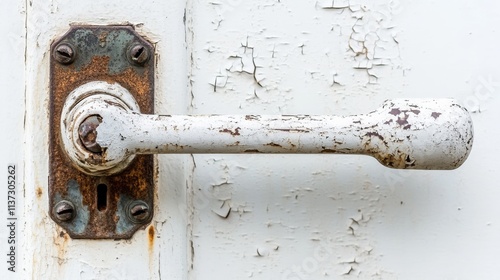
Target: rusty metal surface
x,y
100,54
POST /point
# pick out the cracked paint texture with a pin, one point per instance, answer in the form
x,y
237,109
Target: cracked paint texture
x,y
251,60
317,217
280,216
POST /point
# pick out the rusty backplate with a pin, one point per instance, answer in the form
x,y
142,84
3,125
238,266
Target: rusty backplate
x,y
115,54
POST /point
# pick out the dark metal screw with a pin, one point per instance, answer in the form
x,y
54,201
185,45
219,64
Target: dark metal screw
x,y
64,53
139,54
138,211
64,211
88,133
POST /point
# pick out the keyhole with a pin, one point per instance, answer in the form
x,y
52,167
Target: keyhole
x,y
102,197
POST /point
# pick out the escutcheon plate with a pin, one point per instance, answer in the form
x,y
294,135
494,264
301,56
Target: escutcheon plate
x,y
100,53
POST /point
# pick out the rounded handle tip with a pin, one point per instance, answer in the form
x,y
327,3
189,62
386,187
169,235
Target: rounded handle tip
x,y
423,134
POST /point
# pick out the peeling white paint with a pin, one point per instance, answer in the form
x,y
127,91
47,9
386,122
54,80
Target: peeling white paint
x,y
291,217
305,203
405,134
47,252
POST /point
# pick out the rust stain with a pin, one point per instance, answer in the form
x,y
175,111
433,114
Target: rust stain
x,y
102,39
399,160
272,144
251,117
293,130
151,238
39,192
236,131
370,134
61,241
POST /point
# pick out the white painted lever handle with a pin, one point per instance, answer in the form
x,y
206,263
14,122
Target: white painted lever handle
x,y
406,134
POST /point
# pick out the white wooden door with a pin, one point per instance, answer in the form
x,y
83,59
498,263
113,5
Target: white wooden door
x,y
270,216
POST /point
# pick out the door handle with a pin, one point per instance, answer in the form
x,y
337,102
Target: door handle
x,y
103,130
101,171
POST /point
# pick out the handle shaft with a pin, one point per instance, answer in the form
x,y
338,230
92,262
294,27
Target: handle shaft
x,y
414,134
102,130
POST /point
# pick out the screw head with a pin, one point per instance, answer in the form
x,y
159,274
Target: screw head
x,y
88,133
64,211
139,54
138,211
64,53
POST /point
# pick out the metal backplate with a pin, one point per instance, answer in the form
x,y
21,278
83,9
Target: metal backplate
x,y
99,53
